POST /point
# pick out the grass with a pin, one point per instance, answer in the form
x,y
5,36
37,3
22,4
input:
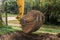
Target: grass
x,y
49,29
7,29
9,14
44,28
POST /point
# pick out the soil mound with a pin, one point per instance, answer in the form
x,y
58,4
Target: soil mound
x,y
21,36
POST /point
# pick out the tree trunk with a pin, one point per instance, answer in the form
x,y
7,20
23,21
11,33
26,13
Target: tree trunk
x,y
1,21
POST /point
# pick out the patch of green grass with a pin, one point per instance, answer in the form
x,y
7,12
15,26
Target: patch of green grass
x,y
7,29
49,29
44,29
9,14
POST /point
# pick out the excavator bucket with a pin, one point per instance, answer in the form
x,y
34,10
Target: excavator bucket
x,y
32,21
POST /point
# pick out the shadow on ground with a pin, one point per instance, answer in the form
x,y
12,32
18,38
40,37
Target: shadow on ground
x,y
21,36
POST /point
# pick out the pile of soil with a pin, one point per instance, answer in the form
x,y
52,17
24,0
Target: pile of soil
x,y
21,36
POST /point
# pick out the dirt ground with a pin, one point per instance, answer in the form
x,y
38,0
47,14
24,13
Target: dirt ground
x,y
21,36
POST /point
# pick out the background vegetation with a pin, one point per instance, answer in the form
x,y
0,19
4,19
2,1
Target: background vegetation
x,y
51,9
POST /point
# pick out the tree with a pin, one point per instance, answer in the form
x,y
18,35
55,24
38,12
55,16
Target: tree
x,y
1,21
12,7
2,10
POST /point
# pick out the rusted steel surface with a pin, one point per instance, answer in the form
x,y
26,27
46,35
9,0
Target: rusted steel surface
x,y
32,21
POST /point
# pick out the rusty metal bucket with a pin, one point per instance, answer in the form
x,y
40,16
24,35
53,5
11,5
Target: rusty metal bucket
x,y
32,21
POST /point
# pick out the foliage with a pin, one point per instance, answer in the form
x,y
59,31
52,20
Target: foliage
x,y
1,21
8,29
51,8
12,7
